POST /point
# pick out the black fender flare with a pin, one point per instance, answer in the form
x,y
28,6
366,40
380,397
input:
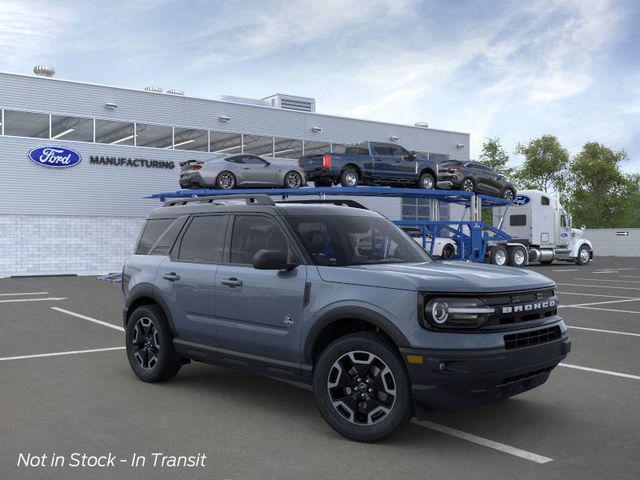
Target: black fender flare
x,y
146,290
354,313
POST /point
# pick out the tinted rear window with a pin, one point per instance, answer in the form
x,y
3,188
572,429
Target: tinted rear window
x,y
204,239
357,151
151,233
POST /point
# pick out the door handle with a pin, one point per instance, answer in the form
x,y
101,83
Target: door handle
x,y
231,282
172,277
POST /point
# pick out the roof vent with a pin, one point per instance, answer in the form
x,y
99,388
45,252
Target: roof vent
x,y
291,102
43,71
153,88
422,124
175,91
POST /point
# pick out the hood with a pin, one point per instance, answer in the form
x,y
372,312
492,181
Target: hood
x,y
453,276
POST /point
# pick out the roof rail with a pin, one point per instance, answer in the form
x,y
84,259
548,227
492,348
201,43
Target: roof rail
x,y
337,201
259,199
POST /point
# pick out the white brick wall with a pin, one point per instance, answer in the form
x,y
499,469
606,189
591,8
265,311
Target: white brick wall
x,y
608,242
54,244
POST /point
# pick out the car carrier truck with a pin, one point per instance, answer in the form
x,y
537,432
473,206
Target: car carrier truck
x,y
540,231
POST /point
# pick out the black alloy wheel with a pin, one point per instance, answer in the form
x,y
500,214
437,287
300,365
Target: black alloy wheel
x,y
468,185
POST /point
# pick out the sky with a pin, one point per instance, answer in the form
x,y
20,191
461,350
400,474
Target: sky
x,y
509,69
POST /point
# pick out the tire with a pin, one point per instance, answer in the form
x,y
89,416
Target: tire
x,y
499,255
226,180
509,194
389,384
584,255
152,357
448,252
349,177
292,180
427,182
322,183
468,185
517,257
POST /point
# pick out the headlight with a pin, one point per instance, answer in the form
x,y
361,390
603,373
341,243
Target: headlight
x,y
456,312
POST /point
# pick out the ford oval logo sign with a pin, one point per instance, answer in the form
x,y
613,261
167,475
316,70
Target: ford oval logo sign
x,y
521,200
55,157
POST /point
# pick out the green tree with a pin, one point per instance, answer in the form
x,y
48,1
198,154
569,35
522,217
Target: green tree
x,y
600,194
545,164
494,156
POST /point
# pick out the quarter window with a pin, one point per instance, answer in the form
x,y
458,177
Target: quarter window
x,y
204,239
252,233
26,124
151,233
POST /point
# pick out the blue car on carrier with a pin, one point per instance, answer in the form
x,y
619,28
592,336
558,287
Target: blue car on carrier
x,y
371,163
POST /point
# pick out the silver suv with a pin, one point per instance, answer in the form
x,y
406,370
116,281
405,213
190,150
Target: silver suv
x,y
337,297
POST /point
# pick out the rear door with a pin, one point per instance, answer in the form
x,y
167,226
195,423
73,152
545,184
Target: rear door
x,y
384,161
259,312
187,277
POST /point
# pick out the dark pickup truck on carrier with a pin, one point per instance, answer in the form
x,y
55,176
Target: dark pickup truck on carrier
x,y
371,163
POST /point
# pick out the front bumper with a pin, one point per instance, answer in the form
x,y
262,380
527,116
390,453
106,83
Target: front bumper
x,y
458,379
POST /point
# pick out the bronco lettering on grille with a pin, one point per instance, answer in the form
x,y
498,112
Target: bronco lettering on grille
x,y
529,307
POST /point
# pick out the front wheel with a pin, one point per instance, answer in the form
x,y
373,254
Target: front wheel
x,y
362,388
149,345
427,181
293,180
584,255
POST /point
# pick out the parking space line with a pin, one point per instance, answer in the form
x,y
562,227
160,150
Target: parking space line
x,y
485,442
608,309
89,319
607,280
597,286
597,370
614,332
592,294
591,303
47,299
566,270
57,354
629,276
25,293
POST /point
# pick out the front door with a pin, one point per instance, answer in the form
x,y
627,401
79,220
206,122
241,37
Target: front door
x,y
259,312
258,171
187,278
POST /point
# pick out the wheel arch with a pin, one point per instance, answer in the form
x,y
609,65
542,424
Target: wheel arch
x,y
146,295
343,320
354,166
430,171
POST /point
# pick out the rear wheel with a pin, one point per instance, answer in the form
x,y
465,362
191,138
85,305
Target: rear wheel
x,y
293,180
427,181
362,388
517,256
226,180
448,251
468,185
499,255
149,345
349,178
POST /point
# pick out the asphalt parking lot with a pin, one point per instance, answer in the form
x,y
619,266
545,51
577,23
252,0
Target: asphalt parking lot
x,y
66,387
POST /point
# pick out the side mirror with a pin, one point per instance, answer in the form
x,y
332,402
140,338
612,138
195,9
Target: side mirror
x,y
583,228
272,260
410,156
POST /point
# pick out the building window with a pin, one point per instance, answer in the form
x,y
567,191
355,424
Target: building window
x,y
225,142
157,136
438,157
71,128
26,124
257,145
115,133
316,148
287,148
190,139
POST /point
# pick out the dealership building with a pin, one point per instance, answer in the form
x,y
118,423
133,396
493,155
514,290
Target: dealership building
x,y
84,219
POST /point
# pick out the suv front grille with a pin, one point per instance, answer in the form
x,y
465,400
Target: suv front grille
x,y
518,307
534,337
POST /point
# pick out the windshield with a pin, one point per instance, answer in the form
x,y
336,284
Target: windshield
x,y
344,240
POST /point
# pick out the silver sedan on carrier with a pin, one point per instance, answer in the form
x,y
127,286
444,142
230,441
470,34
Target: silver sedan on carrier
x,y
241,170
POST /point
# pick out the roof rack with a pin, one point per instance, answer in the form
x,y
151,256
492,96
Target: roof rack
x,y
336,201
259,199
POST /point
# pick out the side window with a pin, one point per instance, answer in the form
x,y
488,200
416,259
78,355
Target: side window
x,y
253,160
563,221
381,149
204,239
237,159
544,201
151,233
398,151
517,220
167,239
252,233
